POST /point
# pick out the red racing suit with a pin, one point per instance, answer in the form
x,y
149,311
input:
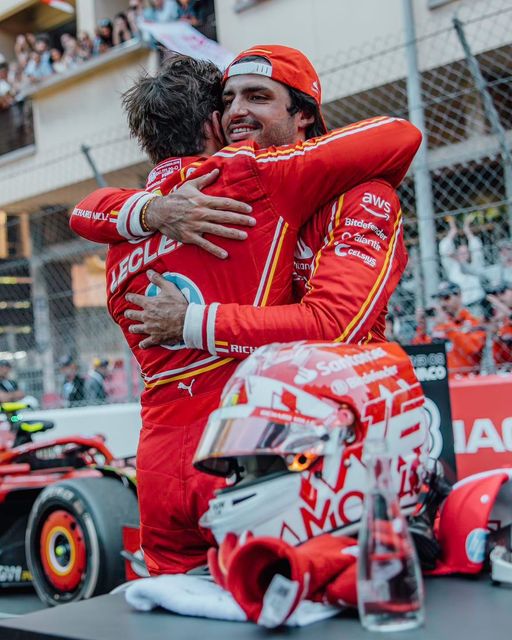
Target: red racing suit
x,y
183,385
348,261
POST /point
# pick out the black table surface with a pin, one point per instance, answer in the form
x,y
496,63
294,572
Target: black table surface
x,y
455,608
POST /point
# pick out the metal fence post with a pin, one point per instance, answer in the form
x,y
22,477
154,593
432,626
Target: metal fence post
x,y
422,180
490,112
100,180
42,325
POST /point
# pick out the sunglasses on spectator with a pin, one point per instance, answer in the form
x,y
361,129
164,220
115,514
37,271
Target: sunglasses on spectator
x,y
447,296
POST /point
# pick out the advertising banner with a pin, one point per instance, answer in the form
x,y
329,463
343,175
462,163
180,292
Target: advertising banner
x,y
181,37
482,422
429,362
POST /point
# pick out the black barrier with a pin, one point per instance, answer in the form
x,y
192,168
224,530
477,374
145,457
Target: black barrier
x,y
429,362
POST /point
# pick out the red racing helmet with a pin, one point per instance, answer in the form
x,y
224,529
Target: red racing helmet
x,y
290,436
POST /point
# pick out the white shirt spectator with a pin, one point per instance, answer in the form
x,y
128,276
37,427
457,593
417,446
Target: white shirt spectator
x,y
466,273
501,273
39,66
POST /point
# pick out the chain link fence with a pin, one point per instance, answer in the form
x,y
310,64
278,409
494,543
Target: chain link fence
x,y
52,299
469,167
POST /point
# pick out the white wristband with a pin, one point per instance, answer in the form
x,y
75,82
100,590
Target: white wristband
x,y
193,326
128,220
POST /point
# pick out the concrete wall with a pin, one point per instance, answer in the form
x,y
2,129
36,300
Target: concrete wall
x,y
317,28
330,30
119,423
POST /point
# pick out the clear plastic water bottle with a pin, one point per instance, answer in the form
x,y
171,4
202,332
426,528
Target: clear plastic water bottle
x,y
390,586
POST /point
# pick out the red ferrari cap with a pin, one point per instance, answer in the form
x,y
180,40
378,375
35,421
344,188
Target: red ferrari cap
x,y
283,64
464,522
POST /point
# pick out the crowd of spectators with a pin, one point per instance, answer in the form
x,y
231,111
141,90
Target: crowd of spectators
x,y
36,57
76,390
472,309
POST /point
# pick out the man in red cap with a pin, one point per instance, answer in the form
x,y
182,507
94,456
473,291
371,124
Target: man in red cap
x,y
353,245
256,71
183,385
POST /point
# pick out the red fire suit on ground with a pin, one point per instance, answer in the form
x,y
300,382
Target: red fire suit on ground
x,y
183,385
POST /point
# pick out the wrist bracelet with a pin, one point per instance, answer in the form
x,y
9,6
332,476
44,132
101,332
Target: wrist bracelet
x,y
144,225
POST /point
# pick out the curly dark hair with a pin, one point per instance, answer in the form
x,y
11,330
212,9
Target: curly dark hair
x,y
302,102
167,112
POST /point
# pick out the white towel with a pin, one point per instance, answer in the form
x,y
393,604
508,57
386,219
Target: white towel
x,y
200,597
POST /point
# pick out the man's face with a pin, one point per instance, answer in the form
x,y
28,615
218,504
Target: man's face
x,y
41,46
103,370
69,371
506,254
5,372
255,108
451,303
463,253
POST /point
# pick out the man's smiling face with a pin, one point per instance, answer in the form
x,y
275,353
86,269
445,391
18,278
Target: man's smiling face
x,y
256,108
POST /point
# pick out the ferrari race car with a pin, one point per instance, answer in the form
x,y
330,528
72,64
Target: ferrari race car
x,y
63,504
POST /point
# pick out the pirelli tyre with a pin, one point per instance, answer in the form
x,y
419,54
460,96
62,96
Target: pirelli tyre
x,y
74,538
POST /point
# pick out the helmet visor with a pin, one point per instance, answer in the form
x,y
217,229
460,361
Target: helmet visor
x,y
241,431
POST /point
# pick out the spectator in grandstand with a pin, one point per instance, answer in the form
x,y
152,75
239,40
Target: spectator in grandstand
x,y
95,390
31,40
73,386
501,322
85,45
464,334
72,55
424,319
6,90
501,273
9,391
22,49
103,40
391,330
16,77
39,65
161,11
135,15
191,11
56,58
464,265
122,31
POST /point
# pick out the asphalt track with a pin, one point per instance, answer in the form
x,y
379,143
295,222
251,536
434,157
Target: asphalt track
x,y
16,602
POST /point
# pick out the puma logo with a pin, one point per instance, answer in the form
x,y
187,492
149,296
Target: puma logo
x,y
186,387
